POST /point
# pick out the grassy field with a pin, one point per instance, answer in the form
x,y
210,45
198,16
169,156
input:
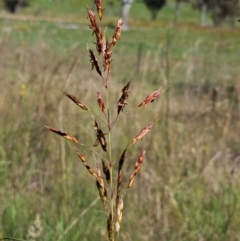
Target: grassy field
x,y
188,185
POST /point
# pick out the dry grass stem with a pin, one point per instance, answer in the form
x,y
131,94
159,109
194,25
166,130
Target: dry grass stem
x,y
74,222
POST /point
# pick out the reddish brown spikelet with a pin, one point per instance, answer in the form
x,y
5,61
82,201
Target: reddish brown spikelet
x,y
96,30
81,157
92,19
106,171
104,45
150,98
119,208
99,7
102,190
94,62
99,38
107,55
122,101
119,180
110,227
121,160
136,169
117,32
63,134
100,102
76,101
100,136
143,132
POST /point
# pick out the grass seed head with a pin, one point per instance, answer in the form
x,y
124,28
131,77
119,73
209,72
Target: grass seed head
x,y
92,20
100,136
99,7
150,98
94,62
110,227
76,101
143,132
121,160
81,157
100,102
119,178
136,169
117,32
101,188
122,101
107,55
106,171
99,43
102,193
119,208
63,134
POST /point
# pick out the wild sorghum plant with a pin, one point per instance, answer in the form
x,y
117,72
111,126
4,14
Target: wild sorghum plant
x,y
109,186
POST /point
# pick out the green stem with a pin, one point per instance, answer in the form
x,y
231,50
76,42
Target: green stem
x,y
110,161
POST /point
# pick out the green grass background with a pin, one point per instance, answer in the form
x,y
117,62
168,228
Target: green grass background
x,y
189,194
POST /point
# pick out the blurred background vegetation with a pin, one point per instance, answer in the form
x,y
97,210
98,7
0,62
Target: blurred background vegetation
x,y
188,185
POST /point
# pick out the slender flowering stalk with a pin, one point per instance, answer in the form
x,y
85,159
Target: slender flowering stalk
x,y
110,185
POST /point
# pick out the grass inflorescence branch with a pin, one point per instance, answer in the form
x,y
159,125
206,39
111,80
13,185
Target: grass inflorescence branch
x,y
109,187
